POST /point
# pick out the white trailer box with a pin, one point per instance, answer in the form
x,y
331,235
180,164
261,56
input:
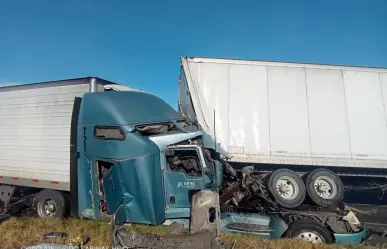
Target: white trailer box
x,y
35,130
289,113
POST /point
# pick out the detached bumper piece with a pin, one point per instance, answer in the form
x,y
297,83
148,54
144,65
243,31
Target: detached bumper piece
x,y
352,238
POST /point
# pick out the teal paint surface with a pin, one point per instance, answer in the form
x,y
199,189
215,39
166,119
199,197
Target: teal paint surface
x,y
181,188
178,213
85,180
138,185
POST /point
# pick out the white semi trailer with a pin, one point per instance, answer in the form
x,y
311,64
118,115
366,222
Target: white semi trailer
x,y
289,115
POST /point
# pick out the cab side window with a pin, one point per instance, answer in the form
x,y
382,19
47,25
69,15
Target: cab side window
x,y
184,161
109,133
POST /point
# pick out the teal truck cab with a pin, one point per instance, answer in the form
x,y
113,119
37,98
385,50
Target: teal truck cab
x,y
132,150
143,153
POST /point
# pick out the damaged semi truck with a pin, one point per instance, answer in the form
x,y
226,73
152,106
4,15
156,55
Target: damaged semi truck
x,y
88,146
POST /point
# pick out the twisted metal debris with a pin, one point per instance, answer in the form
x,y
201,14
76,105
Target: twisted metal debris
x,y
121,238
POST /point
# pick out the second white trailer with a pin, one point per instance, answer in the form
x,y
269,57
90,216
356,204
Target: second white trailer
x,y
289,113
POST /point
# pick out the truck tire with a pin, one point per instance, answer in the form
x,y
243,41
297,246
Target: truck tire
x,y
287,188
52,204
324,188
309,231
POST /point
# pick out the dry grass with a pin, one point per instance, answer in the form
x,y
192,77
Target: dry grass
x,y
19,232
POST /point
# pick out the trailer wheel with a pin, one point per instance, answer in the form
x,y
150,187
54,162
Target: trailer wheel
x,y
287,188
52,204
324,188
309,231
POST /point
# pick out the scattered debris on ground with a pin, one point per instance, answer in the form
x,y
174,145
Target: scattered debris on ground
x,y
99,234
202,240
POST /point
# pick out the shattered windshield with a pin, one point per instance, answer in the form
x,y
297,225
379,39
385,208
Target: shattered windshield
x,y
180,125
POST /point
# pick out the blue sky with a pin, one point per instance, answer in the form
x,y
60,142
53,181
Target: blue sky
x,y
138,43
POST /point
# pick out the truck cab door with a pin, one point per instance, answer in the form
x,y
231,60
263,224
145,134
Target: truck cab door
x,y
183,175
112,189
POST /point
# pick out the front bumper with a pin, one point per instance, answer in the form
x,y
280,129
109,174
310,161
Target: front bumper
x,y
352,238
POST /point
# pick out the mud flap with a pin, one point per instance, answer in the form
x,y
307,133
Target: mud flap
x,y
114,195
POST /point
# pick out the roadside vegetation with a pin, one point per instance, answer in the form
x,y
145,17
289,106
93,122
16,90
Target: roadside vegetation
x,y
19,232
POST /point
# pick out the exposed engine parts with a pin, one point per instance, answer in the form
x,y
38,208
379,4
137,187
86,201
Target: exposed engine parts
x,y
183,161
250,194
283,193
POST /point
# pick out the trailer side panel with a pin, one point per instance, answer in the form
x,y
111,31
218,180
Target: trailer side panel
x,y
35,132
290,113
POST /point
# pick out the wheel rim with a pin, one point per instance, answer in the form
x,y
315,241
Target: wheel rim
x,y
325,187
287,187
47,208
311,237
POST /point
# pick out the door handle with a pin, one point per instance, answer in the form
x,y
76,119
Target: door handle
x,y
111,183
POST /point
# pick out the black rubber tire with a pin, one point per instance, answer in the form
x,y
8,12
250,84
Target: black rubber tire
x,y
313,195
300,226
61,202
271,185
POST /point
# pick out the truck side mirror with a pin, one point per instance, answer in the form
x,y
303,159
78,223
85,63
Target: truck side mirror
x,y
218,173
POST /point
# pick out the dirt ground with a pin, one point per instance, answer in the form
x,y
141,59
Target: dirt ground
x,y
19,232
